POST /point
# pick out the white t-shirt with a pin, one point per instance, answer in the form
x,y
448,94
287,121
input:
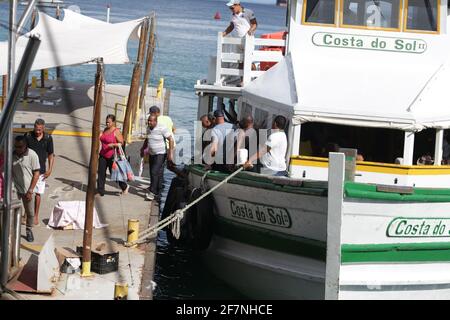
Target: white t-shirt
x,y
275,159
156,139
241,22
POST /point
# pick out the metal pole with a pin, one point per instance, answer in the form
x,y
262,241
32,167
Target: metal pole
x,y
58,69
93,166
28,10
8,148
7,115
108,11
6,135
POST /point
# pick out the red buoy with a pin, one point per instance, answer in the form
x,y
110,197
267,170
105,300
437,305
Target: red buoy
x,y
217,15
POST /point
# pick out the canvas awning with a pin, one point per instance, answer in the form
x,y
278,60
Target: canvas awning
x,y
77,39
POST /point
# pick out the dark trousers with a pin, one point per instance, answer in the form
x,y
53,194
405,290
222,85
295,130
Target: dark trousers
x,y
157,173
104,163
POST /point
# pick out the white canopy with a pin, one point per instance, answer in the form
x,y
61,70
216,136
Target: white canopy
x,y
359,87
75,40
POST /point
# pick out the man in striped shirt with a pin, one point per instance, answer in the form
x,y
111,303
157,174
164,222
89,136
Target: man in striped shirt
x,y
157,149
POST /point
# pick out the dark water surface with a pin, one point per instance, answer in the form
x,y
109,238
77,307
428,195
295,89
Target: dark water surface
x,y
186,38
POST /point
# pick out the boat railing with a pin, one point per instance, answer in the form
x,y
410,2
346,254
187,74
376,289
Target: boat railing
x,y
239,58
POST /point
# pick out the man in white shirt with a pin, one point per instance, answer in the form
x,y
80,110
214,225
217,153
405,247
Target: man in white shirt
x,y
273,157
156,143
243,21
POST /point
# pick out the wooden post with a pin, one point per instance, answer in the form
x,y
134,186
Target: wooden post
x,y
135,81
93,167
4,90
148,62
58,69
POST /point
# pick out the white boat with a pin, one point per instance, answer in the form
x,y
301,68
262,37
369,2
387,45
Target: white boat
x,y
364,74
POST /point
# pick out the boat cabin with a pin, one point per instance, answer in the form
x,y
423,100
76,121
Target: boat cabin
x,y
361,74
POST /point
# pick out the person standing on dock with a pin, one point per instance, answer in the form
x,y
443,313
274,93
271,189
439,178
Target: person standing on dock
x,y
155,143
42,143
25,170
168,123
110,139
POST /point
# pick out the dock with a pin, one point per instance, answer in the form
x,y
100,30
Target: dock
x,y
67,108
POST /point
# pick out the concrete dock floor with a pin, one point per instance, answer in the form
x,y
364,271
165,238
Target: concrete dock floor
x,y
67,107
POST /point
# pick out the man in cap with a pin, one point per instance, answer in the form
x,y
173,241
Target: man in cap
x,y
243,21
222,141
167,122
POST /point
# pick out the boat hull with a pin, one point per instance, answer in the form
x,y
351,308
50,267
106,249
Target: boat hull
x,y
391,245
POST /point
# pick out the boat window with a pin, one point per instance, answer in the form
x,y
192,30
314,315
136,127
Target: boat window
x,y
422,15
319,11
246,110
373,144
260,119
424,146
376,14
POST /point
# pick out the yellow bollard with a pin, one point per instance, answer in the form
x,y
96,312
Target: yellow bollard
x,y
133,231
121,291
160,88
34,82
86,269
45,74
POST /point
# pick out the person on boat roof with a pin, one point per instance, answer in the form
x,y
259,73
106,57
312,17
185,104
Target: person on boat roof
x,y
243,21
273,156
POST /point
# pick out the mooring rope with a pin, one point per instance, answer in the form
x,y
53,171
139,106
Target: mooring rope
x,y
175,218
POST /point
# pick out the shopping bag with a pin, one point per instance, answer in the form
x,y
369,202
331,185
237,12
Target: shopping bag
x,y
117,174
124,166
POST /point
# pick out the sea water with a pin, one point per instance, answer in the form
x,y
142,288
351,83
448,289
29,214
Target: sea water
x,y
186,36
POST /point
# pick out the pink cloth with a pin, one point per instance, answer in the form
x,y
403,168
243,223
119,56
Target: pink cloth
x,y
106,139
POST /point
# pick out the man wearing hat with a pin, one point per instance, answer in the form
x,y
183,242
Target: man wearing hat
x,y
243,21
221,133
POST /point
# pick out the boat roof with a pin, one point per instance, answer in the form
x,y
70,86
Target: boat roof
x,y
360,87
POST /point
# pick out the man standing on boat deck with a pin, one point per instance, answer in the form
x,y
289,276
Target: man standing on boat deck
x,y
156,143
42,143
25,171
243,21
273,157
222,143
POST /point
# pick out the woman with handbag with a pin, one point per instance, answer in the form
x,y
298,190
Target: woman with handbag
x,y
110,139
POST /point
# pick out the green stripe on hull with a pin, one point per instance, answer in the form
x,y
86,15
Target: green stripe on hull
x,y
398,252
270,240
369,191
350,253
317,188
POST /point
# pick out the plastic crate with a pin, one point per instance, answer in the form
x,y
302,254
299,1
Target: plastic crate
x,y
102,263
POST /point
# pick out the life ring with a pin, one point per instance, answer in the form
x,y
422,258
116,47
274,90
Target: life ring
x,y
200,220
